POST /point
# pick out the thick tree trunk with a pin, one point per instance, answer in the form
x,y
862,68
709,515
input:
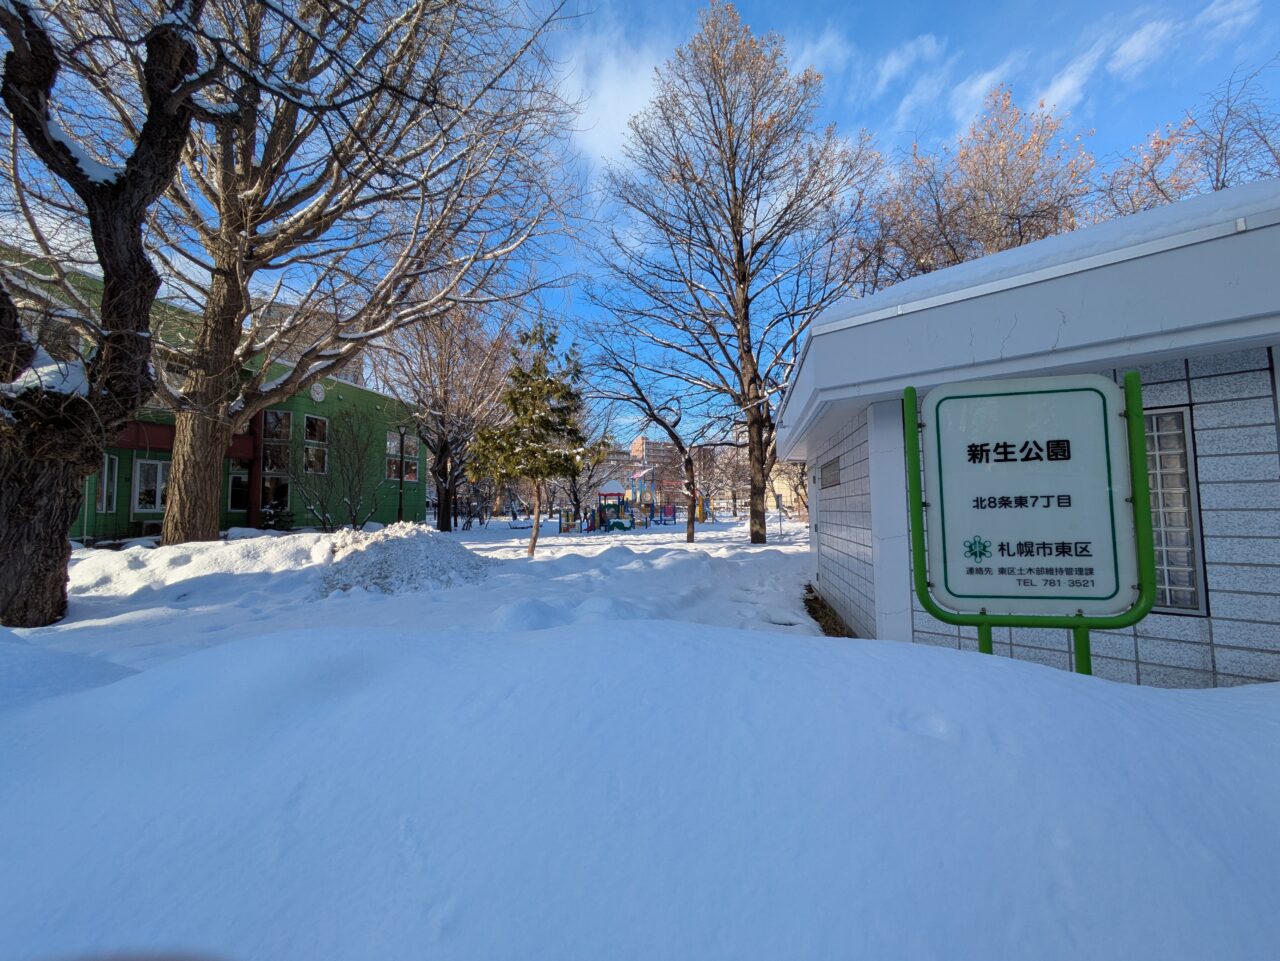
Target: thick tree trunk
x,y
204,432
692,488
756,455
194,504
39,500
445,488
537,512
54,441
51,442
444,507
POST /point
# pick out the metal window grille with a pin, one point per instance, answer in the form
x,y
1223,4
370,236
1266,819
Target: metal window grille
x,y
1174,512
830,473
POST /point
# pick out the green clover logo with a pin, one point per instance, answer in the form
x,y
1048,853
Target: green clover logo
x,y
977,548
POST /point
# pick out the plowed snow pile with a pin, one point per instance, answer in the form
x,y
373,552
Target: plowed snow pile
x,y
400,559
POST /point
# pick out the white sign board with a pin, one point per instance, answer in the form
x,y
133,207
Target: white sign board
x,y
1026,495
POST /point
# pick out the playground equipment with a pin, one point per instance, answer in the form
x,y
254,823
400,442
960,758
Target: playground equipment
x,y
611,508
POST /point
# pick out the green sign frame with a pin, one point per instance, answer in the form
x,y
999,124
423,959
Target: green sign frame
x,y
1079,624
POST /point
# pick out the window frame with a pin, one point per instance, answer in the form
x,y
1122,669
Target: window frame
x,y
282,445
270,439
108,482
410,466
393,457
306,466
323,420
162,484
231,481
288,496
823,482
1195,530
309,445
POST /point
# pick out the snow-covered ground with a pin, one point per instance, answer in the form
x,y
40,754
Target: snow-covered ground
x,y
393,746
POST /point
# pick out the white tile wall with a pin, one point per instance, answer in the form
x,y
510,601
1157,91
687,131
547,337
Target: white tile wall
x,y
1233,399
845,570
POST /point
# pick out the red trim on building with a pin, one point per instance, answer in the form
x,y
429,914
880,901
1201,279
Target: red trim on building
x,y
147,435
144,435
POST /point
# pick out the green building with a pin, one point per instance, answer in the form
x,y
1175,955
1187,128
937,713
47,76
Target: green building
x,y
326,458
323,459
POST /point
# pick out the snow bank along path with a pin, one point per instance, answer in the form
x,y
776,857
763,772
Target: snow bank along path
x,y
566,770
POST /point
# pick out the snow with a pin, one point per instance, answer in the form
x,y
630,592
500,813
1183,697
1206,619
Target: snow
x,y
1185,219
94,170
52,376
622,748
402,558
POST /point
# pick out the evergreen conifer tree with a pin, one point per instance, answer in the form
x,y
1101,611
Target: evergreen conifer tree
x,y
542,439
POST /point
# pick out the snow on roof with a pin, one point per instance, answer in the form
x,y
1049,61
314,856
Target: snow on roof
x,y
1189,279
1134,235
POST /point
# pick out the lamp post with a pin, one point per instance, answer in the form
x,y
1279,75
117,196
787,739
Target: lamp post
x,y
401,429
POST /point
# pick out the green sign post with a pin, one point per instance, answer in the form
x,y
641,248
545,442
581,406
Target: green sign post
x,y
1030,523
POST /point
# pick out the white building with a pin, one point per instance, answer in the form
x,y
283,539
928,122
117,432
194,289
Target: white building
x,y
1189,295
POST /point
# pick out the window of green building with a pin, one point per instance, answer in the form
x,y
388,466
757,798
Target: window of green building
x,y
150,485
238,495
277,431
315,448
107,478
394,455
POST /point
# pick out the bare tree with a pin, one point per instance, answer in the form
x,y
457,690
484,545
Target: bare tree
x,y
376,163
1230,139
723,472
792,476
1234,137
450,371
56,418
1159,171
1011,179
621,373
338,479
734,224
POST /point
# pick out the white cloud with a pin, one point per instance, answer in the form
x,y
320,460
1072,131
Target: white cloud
x,y
917,109
610,71
830,53
1142,48
925,48
967,96
1066,89
1224,19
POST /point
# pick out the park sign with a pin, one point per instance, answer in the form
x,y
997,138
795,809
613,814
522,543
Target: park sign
x,y
1028,503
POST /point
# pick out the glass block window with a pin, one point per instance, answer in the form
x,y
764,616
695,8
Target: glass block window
x,y
1174,512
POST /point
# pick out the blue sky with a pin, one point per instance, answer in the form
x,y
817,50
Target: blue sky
x,y
920,69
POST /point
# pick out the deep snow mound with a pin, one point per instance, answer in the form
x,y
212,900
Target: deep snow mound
x,y
400,559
